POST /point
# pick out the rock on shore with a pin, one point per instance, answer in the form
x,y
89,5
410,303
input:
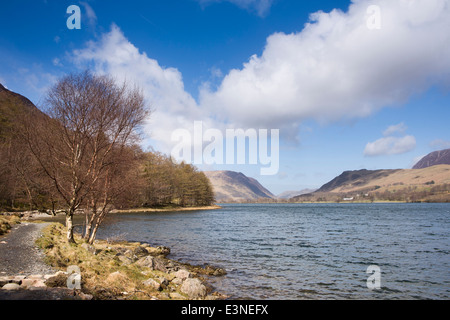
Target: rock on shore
x,y
39,287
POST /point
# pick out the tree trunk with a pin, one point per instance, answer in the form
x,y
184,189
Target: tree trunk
x,y
87,231
93,234
69,227
90,221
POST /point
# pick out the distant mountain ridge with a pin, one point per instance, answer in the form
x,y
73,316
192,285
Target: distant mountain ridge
x,y
427,184
434,158
290,194
354,178
235,187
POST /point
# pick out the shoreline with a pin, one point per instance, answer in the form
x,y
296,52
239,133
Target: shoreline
x,y
36,214
117,269
171,209
333,202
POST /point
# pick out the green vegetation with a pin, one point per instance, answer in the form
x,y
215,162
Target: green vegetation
x,y
166,183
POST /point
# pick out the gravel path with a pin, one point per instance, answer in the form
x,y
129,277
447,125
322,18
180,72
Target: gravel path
x,y
20,255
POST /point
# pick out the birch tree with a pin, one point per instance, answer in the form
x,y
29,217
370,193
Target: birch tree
x,y
91,117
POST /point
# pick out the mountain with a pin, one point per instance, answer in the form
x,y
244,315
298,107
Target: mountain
x,y
427,184
18,177
290,194
434,158
358,178
12,103
230,186
12,106
9,98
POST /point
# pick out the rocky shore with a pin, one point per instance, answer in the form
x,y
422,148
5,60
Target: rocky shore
x,y
109,270
39,287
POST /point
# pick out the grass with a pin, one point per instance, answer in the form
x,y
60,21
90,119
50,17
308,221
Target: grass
x,y
104,274
7,222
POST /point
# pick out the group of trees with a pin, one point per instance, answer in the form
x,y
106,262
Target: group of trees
x,y
82,154
427,193
20,182
167,183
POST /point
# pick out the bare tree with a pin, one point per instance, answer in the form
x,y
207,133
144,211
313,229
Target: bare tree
x,y
118,179
90,118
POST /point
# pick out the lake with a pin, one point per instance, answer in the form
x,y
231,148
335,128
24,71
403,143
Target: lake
x,y
306,251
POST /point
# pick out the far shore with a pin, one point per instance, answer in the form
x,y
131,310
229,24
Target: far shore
x,y
168,209
35,214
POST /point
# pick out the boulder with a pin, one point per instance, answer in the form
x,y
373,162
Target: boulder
x,y
17,279
193,288
129,254
158,251
140,252
11,286
152,284
3,281
182,274
164,282
214,271
177,281
34,284
125,260
152,263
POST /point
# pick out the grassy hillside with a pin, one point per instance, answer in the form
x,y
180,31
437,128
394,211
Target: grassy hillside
x,y
230,186
394,179
430,184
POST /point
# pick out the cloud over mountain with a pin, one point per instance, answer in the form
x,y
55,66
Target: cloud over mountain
x,y
336,68
394,142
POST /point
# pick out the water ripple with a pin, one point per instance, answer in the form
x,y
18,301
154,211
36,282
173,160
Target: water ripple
x,y
308,251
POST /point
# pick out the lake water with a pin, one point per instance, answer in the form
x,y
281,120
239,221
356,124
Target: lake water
x,y
307,251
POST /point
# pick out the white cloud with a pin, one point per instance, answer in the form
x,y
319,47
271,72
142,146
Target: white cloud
x,y
216,72
56,62
398,128
163,88
392,142
336,68
261,7
89,13
440,144
390,145
37,80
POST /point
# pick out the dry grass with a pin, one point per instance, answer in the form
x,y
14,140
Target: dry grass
x,y
103,274
7,222
403,178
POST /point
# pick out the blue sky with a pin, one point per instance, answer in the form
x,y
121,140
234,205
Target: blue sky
x,y
348,87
